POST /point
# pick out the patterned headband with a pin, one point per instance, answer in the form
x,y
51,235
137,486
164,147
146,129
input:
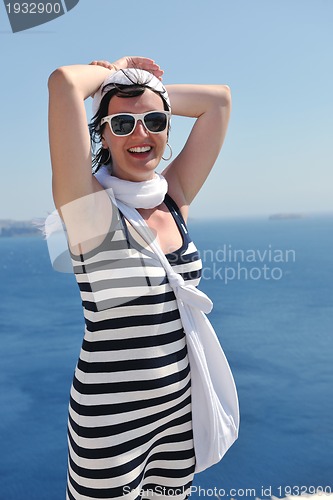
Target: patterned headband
x,y
129,76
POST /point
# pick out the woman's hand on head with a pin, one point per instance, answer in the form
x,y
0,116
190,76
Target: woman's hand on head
x,y
132,62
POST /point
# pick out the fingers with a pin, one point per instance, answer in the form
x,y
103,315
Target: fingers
x,y
132,62
104,64
147,64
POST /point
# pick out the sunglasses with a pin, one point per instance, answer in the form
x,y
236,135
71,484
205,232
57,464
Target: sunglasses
x,y
123,124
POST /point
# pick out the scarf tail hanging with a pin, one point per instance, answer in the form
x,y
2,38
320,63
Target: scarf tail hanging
x,y
215,409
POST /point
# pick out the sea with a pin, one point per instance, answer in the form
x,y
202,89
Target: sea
x,y
271,282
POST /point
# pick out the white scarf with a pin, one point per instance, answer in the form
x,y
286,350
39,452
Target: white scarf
x,y
129,76
145,194
215,410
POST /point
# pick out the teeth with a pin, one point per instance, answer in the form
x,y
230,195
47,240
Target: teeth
x,y
144,149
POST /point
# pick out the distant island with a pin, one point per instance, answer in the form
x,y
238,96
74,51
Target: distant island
x,y
14,228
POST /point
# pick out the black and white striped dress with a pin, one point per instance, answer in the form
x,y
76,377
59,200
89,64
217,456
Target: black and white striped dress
x,y
130,425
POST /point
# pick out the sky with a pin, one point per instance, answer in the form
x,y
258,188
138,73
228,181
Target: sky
x,y
276,55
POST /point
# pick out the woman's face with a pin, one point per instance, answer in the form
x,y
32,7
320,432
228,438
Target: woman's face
x,y
136,156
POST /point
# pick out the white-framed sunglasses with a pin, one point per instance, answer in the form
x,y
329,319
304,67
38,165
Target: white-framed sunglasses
x,y
123,124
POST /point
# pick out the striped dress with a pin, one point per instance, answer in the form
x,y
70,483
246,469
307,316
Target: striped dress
x,y
130,426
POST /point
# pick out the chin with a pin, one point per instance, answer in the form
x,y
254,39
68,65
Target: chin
x,y
148,167
137,171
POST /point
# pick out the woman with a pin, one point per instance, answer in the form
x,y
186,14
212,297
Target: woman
x,y
130,427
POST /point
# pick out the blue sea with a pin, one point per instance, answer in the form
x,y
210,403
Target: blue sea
x,y
271,282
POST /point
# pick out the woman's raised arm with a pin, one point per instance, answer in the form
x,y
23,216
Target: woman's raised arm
x,y
69,136
78,196
210,105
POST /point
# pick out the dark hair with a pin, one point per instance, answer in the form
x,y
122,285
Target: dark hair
x,y
101,156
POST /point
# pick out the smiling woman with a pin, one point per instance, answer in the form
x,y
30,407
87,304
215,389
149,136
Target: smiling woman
x,y
136,150
148,131
130,426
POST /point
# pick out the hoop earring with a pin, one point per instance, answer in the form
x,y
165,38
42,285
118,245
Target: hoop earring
x,y
167,159
108,158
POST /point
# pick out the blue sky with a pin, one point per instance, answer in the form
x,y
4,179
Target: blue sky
x,y
275,55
